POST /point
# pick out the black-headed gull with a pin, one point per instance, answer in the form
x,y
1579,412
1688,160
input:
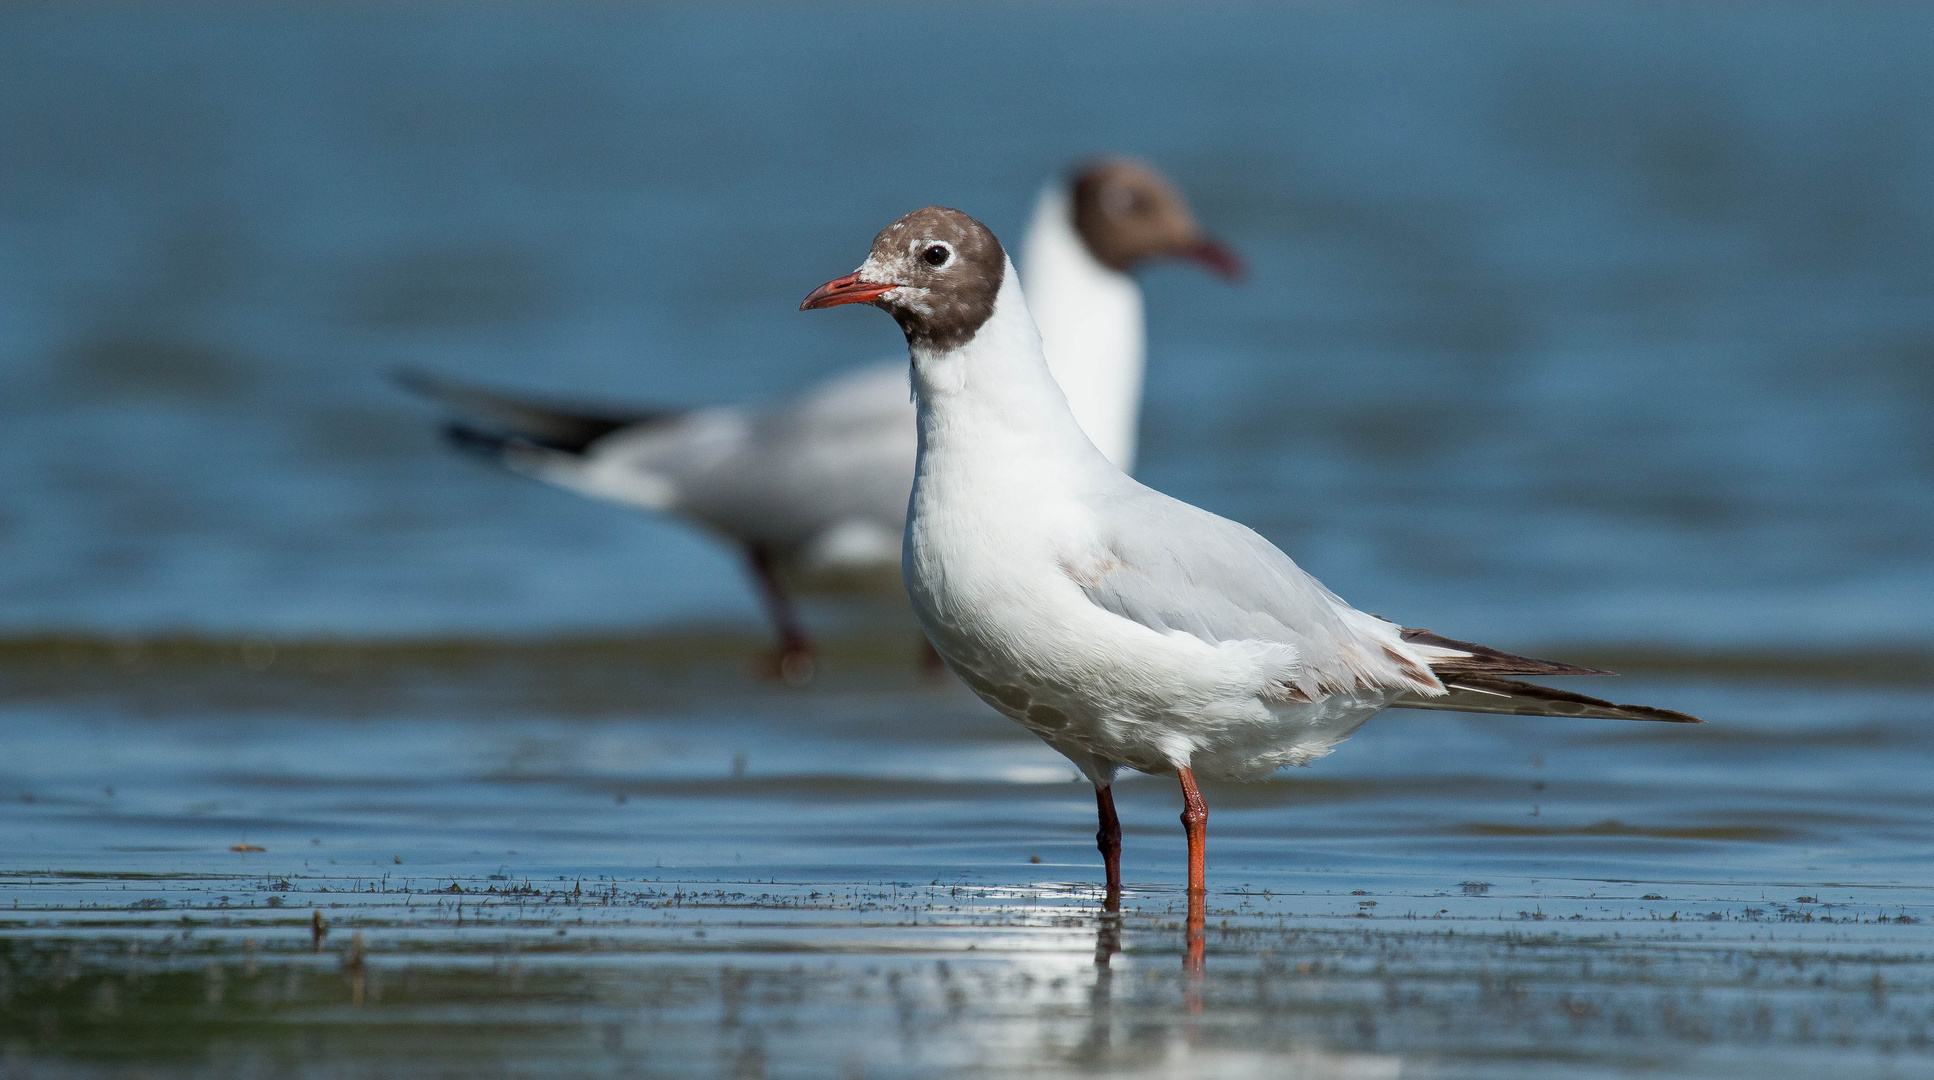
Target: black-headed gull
x,y
814,489
1124,627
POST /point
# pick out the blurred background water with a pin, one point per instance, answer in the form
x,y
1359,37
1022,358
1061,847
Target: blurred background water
x,y
1603,324
1604,330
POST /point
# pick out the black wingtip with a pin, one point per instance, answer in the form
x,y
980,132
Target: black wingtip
x,y
470,440
1485,660
555,425
1526,698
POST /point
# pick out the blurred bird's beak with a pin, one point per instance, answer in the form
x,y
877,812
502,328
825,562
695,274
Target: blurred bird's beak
x,y
846,290
1210,254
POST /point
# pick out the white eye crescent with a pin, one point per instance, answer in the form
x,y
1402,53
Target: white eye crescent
x,y
935,253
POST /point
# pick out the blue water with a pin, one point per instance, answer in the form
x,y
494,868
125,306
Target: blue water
x,y
1603,325
1603,332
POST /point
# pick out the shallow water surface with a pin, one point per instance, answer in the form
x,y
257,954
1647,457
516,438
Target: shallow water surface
x,y
620,856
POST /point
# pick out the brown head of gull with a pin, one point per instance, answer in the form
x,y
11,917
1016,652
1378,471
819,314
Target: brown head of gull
x,y
936,271
1127,214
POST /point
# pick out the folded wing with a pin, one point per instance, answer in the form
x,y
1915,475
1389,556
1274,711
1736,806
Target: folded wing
x,y
1176,568
1183,569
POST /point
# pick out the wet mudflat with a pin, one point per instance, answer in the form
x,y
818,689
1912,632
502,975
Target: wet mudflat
x,y
623,857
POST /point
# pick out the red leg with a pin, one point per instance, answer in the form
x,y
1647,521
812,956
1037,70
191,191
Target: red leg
x,y
1195,822
1108,840
794,661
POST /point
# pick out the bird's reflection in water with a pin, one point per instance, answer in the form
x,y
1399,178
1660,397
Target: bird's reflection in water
x,y
1108,945
1194,962
1107,938
1197,940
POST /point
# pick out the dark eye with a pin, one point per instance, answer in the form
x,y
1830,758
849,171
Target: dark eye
x,y
937,255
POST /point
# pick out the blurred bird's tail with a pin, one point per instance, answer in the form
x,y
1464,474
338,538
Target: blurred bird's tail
x,y
491,416
489,445
561,443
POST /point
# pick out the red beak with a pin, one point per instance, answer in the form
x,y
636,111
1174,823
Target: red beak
x,y
846,290
1208,253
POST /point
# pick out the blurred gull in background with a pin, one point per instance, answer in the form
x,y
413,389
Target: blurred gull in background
x,y
814,488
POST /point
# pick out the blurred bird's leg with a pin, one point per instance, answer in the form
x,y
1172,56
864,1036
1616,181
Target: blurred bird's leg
x,y
793,662
1195,822
1108,840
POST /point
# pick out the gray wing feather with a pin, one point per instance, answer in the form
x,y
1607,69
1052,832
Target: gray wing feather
x,y
1177,568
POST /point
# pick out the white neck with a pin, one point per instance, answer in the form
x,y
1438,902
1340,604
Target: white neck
x,y
993,402
1090,319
